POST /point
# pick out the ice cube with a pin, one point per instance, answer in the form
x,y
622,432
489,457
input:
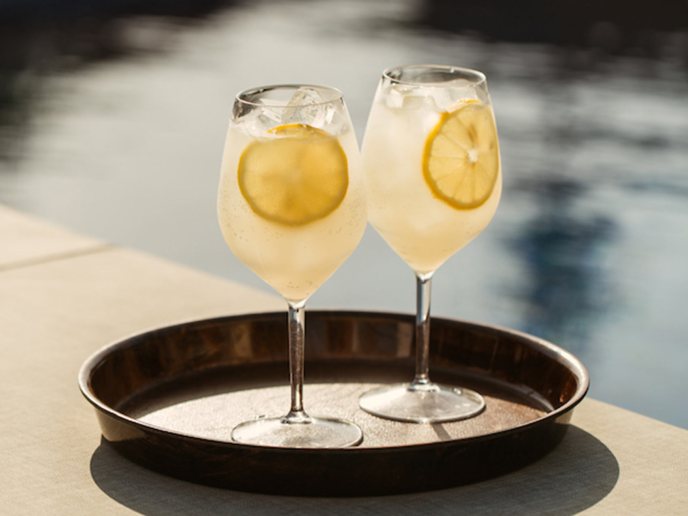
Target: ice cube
x,y
401,96
305,95
258,119
271,113
419,100
441,97
394,98
306,107
462,90
433,98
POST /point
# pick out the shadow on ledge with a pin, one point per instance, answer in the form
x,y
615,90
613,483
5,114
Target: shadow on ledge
x,y
576,475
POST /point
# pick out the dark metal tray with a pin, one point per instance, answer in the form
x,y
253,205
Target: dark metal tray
x,y
168,399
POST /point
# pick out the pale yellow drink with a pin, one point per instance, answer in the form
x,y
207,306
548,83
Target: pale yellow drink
x,y
295,251
291,206
421,226
433,176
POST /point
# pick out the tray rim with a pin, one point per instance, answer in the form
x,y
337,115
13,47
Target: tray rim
x,y
550,349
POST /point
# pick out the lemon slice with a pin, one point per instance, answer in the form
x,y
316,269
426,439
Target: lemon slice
x,y
296,178
461,156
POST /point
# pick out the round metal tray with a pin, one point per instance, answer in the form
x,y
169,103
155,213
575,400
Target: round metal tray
x,y
168,398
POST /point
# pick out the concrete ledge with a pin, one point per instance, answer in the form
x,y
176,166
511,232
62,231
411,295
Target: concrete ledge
x,y
26,240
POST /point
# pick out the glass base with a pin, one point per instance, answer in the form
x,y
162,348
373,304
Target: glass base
x,y
301,432
422,403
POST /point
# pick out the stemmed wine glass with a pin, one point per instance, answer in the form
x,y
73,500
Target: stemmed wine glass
x,y
291,206
433,175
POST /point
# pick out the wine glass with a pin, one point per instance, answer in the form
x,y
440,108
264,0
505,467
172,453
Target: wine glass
x,y
433,176
291,206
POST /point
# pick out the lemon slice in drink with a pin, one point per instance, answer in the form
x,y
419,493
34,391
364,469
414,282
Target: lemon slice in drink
x,y
298,177
461,156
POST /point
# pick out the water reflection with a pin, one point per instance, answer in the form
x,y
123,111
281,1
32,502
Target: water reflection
x,y
565,289
40,39
612,27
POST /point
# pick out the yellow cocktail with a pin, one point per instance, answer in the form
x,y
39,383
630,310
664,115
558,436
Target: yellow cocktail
x,y
291,206
433,175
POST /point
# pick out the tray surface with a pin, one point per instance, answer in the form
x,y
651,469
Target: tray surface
x,y
169,398
209,406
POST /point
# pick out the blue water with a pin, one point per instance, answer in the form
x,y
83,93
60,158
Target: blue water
x,y
589,246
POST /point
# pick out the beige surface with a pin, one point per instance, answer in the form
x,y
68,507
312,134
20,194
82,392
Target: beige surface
x,y
57,309
25,240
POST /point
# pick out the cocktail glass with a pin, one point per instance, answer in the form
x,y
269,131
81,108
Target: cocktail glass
x,y
433,176
291,207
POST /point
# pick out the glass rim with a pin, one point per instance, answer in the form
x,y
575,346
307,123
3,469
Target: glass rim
x,y
337,95
478,76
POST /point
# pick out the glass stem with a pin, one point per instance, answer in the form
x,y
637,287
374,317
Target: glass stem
x,y
423,284
297,335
